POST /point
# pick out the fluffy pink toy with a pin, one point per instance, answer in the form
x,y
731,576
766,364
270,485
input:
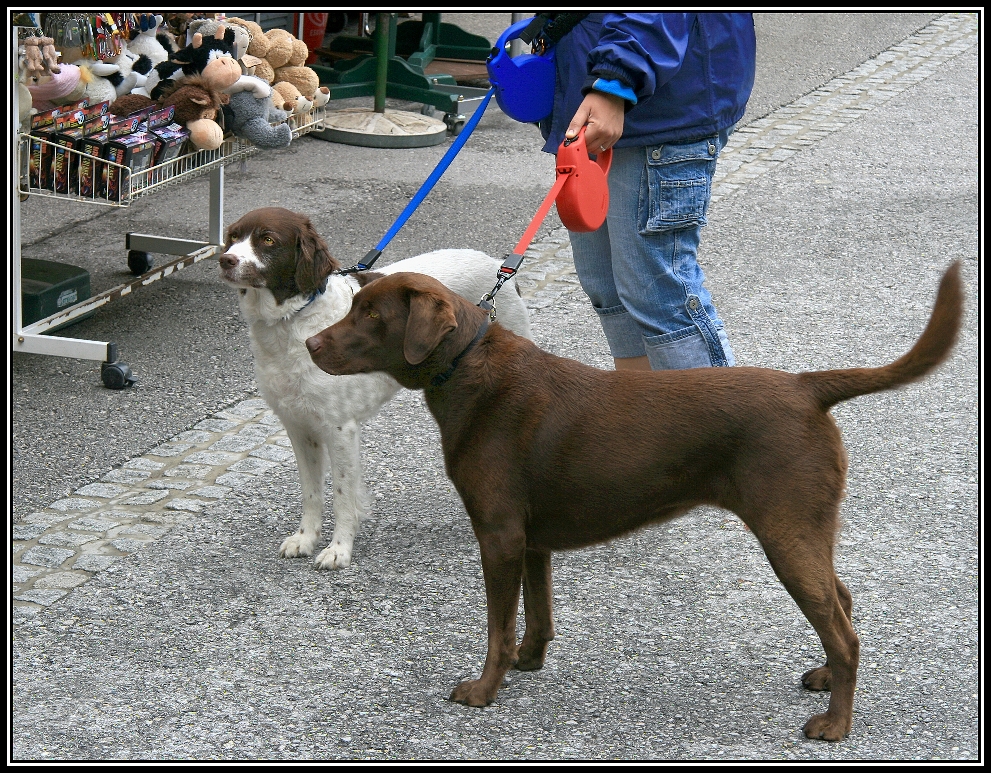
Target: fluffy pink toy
x,y
57,87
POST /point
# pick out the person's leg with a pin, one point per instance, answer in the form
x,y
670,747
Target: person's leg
x,y
593,262
658,199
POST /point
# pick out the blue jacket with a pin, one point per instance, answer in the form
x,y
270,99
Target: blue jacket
x,y
692,73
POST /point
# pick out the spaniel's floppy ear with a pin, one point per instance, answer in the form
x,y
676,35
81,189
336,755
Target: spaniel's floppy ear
x,y
431,318
313,260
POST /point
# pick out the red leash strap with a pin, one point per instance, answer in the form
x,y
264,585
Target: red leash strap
x,y
563,173
512,262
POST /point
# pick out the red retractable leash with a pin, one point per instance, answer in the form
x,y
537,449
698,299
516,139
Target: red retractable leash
x,y
582,194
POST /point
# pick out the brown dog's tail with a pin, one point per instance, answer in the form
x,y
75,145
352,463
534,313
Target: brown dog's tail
x,y
932,348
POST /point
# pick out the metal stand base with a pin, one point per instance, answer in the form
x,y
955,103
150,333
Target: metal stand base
x,y
391,129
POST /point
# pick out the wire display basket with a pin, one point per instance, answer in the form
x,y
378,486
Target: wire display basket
x,y
46,168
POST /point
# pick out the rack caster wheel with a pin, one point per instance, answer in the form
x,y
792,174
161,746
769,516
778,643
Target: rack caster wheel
x,y
454,124
139,262
116,375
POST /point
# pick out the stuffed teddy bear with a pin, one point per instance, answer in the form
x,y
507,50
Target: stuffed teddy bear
x,y
293,101
287,56
250,114
279,48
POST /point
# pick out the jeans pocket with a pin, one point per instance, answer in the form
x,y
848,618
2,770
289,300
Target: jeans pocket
x,y
676,185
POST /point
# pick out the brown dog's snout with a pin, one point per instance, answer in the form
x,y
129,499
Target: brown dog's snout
x,y
228,261
313,344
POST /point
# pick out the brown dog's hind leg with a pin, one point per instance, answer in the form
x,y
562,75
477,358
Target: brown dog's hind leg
x,y
801,556
502,565
538,610
819,678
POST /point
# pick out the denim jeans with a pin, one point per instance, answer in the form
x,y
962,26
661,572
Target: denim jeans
x,y
640,269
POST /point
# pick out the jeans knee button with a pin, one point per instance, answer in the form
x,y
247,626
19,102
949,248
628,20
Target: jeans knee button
x,y
655,154
693,304
712,149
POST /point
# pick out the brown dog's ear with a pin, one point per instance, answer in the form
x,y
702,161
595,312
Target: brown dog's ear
x,y
430,319
313,260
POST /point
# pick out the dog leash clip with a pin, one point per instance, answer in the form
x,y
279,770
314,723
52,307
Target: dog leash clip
x,y
488,304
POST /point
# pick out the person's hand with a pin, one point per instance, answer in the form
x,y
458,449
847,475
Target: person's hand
x,y
603,114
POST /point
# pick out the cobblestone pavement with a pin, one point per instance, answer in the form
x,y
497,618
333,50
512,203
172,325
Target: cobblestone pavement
x,y
64,545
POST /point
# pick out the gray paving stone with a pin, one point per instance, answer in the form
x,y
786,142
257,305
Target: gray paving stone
x,y
72,503
171,449
145,498
91,562
236,443
260,430
189,505
213,458
213,492
143,464
194,436
217,425
252,466
128,544
145,529
66,539
21,574
127,477
194,471
178,484
102,490
27,531
273,453
91,523
236,480
42,555
61,580
44,597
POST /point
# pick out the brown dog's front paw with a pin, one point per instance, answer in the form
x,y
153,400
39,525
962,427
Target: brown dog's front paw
x,y
472,693
827,727
817,679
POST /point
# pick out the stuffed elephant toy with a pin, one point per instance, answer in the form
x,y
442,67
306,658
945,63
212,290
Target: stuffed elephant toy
x,y
250,115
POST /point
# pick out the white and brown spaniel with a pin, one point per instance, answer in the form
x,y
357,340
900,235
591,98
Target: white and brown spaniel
x,y
288,292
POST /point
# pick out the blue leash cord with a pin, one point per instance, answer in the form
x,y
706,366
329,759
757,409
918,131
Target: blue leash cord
x,y
429,183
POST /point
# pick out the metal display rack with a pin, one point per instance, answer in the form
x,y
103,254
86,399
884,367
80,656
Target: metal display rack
x,y
31,338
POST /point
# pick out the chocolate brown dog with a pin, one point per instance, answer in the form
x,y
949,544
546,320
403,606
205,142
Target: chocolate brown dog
x,y
592,454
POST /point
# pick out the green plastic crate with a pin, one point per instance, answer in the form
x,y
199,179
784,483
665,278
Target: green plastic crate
x,y
48,287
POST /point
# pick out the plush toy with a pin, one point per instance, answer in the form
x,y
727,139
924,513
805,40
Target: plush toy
x,y
197,103
295,72
250,114
38,58
292,100
258,46
98,80
49,91
73,83
130,103
208,28
152,45
279,48
209,56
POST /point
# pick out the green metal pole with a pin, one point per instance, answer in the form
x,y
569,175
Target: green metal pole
x,y
382,59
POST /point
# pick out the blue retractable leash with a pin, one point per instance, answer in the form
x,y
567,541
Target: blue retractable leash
x,y
421,194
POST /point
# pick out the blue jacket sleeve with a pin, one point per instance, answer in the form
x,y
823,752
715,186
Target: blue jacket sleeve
x,y
640,50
